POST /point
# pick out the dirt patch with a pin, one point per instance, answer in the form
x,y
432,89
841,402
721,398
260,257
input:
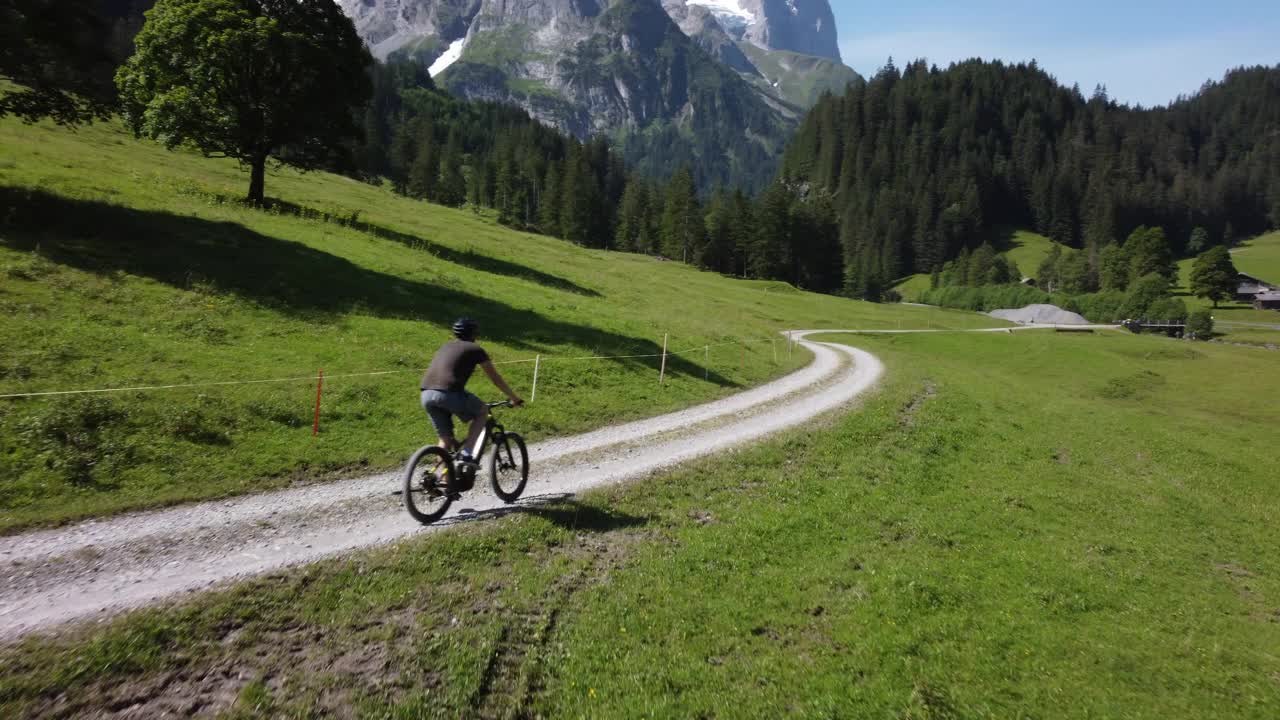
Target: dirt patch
x,y
513,676
334,666
1062,456
1234,570
702,517
1132,386
907,417
1241,579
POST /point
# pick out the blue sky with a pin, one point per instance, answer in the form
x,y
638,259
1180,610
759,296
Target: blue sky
x,y
1144,52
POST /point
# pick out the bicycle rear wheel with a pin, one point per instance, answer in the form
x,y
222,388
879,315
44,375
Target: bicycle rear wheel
x,y
428,479
509,467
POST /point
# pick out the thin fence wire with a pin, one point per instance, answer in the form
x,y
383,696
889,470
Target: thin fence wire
x,y
334,376
704,348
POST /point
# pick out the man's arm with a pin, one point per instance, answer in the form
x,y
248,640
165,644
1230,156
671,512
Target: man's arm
x,y
496,377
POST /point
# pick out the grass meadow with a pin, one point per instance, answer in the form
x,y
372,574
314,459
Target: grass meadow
x,y
1022,525
124,265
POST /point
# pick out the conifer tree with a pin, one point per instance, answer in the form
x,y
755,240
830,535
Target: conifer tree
x,y
425,171
453,186
549,207
681,218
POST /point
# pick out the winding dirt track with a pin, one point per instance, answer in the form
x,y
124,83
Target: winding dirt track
x,y
101,566
98,567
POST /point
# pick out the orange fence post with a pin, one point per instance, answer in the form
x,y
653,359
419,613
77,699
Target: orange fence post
x,y
315,426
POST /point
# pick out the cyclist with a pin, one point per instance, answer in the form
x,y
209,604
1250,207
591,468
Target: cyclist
x,y
444,391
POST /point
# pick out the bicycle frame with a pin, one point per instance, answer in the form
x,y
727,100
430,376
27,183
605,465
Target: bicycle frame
x,y
492,429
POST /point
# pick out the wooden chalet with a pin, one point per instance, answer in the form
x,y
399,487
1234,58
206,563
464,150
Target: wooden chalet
x,y
1267,300
1248,287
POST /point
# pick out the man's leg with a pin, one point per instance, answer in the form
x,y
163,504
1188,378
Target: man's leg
x,y
477,427
441,420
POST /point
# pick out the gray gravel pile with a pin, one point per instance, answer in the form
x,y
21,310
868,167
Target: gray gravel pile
x,y
1040,314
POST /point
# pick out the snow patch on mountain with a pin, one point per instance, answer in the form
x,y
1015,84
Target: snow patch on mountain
x,y
730,13
450,56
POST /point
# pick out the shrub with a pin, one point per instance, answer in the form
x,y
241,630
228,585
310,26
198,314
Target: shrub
x,y
1103,307
1200,325
72,438
1168,309
1144,295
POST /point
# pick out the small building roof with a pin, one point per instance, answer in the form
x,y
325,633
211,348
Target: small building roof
x,y
1246,279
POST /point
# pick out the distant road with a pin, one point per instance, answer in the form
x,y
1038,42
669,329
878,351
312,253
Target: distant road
x,y
1233,323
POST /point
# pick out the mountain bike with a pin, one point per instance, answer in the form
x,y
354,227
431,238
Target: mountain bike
x,y
434,477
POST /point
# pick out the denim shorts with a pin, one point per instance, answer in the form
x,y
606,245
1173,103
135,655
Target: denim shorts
x,y
442,405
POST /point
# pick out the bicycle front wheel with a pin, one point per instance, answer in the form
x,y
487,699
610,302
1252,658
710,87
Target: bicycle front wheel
x,y
428,479
509,467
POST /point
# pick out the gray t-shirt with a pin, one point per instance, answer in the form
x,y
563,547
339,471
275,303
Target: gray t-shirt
x,y
452,366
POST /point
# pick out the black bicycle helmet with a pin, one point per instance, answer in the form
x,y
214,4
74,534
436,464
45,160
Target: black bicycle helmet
x,y
464,328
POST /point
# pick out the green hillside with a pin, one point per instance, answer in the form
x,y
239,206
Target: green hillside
x,y
1260,257
802,79
1025,248
124,265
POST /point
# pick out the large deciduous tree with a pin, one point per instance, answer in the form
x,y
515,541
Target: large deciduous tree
x,y
56,50
1149,252
248,79
1213,275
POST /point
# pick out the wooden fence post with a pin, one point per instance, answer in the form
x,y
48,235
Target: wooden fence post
x,y
662,373
537,362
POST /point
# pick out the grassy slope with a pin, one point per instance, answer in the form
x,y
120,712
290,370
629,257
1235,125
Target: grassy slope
x,y
122,264
1014,526
1028,250
802,78
1025,248
1259,257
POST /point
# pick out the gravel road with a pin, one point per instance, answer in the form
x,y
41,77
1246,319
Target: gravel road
x,y
90,570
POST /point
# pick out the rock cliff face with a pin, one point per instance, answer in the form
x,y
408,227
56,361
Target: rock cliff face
x,y
391,25
801,26
708,82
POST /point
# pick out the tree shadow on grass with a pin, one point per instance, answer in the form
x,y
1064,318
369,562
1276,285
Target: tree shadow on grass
x,y
286,276
1004,238
560,509
466,258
